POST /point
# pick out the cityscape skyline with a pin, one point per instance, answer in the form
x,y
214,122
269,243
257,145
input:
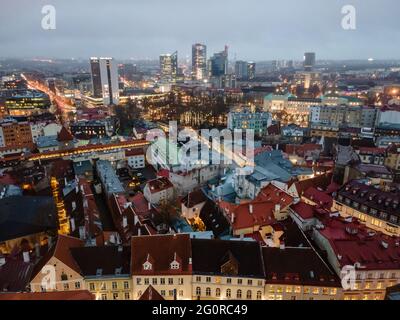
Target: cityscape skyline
x,y
80,33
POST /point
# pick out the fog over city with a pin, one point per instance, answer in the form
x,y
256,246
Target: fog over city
x,y
253,29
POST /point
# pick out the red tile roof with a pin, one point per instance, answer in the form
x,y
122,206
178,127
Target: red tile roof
x,y
61,251
320,198
159,184
322,181
352,242
163,173
134,152
64,135
302,149
162,250
304,210
260,211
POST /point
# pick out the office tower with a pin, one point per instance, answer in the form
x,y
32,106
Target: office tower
x,y
169,66
251,70
105,80
245,70
199,61
309,61
219,63
241,70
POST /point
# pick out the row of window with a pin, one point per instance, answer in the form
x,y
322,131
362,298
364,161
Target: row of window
x,y
115,296
306,290
364,208
103,285
161,281
217,280
171,293
380,275
228,293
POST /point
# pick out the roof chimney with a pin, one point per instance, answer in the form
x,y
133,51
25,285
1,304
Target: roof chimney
x,y
232,218
2,260
349,219
135,219
124,222
251,208
72,221
139,232
82,233
25,254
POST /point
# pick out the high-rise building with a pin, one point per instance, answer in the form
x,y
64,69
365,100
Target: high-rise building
x,y
309,61
251,70
105,80
219,63
199,61
169,66
245,70
241,70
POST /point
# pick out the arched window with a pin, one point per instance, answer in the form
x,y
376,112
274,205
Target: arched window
x,y
248,295
208,292
259,295
228,293
218,292
198,291
239,294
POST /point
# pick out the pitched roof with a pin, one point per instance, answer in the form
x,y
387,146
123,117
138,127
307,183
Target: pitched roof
x,y
151,294
162,249
61,251
304,210
194,198
15,274
26,215
322,181
111,260
260,211
210,255
372,197
354,243
302,266
159,184
319,197
64,135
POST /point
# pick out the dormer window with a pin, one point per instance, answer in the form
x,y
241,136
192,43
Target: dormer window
x,y
174,265
147,266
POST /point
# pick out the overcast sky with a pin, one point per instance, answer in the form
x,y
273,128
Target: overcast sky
x,y
253,29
